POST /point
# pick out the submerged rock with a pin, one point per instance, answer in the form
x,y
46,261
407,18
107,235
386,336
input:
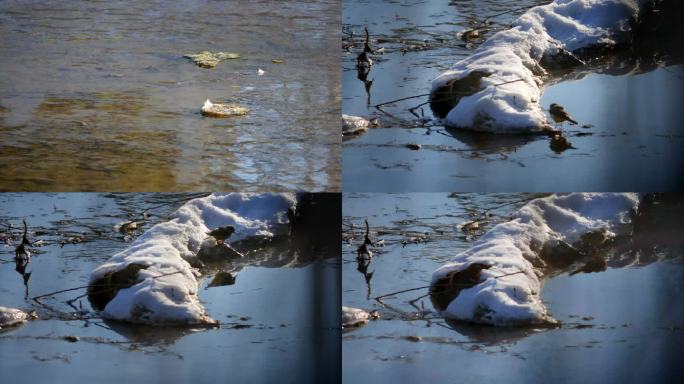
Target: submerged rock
x,y
10,317
223,110
206,59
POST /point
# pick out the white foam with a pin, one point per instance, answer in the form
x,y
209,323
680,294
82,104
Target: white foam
x,y
514,246
167,247
515,54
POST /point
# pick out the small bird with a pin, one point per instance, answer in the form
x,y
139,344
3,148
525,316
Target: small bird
x,y
221,233
560,115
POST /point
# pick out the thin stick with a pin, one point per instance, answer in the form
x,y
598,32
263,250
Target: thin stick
x,y
398,292
93,285
402,99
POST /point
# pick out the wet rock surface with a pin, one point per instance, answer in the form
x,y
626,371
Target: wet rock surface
x,y
206,59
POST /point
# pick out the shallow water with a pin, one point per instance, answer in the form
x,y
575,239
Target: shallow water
x,y
622,325
98,96
260,337
634,142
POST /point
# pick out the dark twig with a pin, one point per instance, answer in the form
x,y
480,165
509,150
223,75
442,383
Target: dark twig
x,y
401,99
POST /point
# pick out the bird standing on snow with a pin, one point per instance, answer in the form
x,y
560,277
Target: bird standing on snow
x,y
221,233
560,115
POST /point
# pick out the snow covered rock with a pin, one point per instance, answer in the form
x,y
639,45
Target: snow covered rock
x,y
355,317
499,87
356,125
153,282
498,280
10,317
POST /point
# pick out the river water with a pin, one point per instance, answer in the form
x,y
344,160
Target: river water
x,y
621,325
96,95
633,139
279,316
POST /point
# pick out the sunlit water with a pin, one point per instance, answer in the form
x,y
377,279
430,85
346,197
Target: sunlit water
x,y
622,325
277,323
98,96
634,142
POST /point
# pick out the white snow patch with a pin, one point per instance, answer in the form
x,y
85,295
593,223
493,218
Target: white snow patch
x,y
514,246
515,54
166,248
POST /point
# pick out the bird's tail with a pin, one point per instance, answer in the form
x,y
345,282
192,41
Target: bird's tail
x,y
573,122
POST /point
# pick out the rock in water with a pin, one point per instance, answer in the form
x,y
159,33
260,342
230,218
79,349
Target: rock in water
x,y
223,110
11,317
206,59
355,317
356,125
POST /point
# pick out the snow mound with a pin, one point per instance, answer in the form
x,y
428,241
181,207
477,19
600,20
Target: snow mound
x,y
498,88
161,284
498,280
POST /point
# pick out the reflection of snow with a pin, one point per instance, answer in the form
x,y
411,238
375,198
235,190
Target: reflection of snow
x,y
507,97
514,249
168,249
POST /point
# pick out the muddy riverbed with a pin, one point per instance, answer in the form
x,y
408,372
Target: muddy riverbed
x,y
629,136
259,338
98,96
621,325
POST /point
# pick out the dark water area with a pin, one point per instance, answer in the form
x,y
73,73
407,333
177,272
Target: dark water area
x,y
632,140
621,325
97,96
278,315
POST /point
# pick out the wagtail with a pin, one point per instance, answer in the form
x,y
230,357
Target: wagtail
x,y
221,233
560,115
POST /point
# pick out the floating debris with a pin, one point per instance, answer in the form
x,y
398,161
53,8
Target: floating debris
x,y
470,226
223,110
206,59
130,226
413,146
277,61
